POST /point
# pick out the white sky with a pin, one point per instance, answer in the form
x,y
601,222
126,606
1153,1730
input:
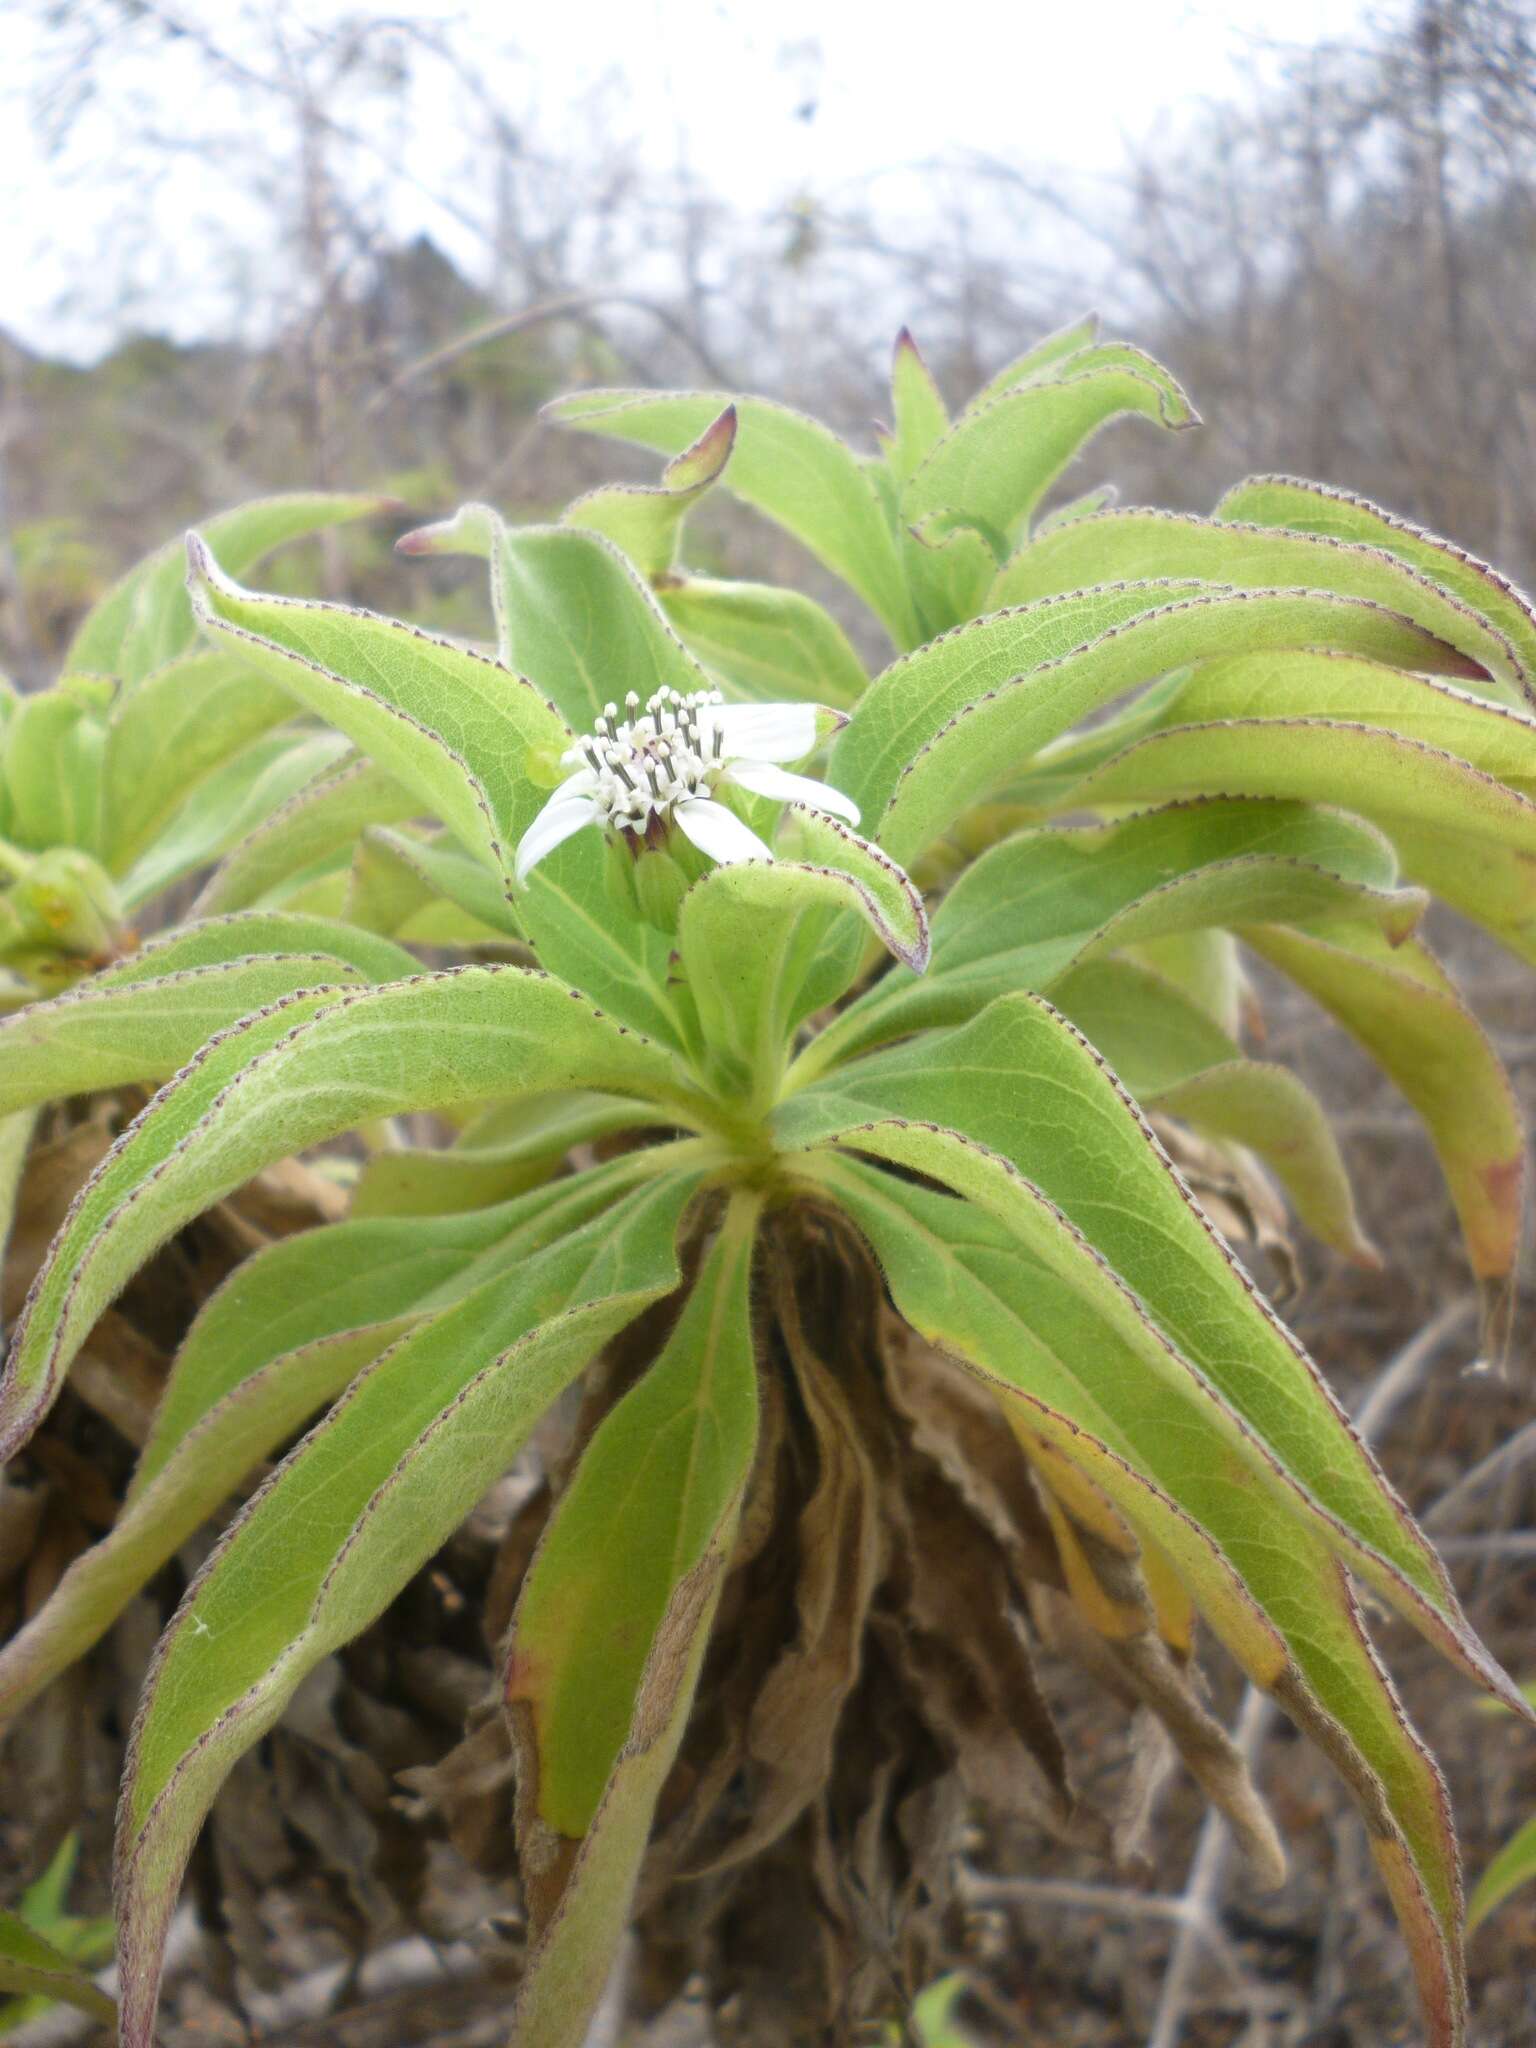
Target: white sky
x,y
1043,82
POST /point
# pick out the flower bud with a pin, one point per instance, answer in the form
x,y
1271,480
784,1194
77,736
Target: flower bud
x,y
61,918
660,884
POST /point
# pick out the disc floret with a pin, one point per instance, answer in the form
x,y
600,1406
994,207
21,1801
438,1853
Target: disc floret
x,y
662,763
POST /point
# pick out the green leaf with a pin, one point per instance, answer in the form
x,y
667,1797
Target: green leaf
x,y
51,754
440,869
950,559
946,726
169,731
1060,766
228,803
891,905
571,613
585,929
610,1634
381,891
1122,546
961,1280
789,467
645,521
289,1077
144,620
1047,356
1151,1032
575,618
15,1139
326,1284
1460,833
775,645
933,2014
143,1018
507,1149
1265,1109
1315,508
1099,499
1015,1080
750,936
44,1903
1499,741
1174,1059
279,1340
322,892
95,1038
875,747
994,467
1403,1008
917,407
1206,966
1038,903
34,1967
654,1492
453,728
211,941
345,1522
312,826
1514,1866
1018,1296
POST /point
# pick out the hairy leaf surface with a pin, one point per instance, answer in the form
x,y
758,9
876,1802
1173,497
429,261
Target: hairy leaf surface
x,y
455,729
1017,1079
1339,515
962,717
1404,1009
610,1635
363,1502
787,466
750,937
283,1336
645,521
288,1078
775,645
227,803
1461,834
144,620
169,731
653,1495
1124,545
312,827
1036,904
973,1291
1175,1059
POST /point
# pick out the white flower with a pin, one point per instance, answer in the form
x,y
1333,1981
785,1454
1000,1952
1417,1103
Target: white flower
x,y
662,765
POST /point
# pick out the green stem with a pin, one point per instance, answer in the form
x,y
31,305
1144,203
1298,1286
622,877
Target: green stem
x,y
825,1050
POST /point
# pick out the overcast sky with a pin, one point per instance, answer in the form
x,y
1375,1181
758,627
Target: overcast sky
x,y
726,85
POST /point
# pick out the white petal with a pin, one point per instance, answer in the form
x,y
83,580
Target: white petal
x,y
719,832
560,817
765,780
759,732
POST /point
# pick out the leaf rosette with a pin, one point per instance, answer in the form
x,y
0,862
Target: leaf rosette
x,y
907,1346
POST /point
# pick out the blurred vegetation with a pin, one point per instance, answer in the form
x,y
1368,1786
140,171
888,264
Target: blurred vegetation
x,y
1338,264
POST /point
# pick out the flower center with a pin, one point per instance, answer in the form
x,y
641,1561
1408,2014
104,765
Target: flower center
x,y
654,758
